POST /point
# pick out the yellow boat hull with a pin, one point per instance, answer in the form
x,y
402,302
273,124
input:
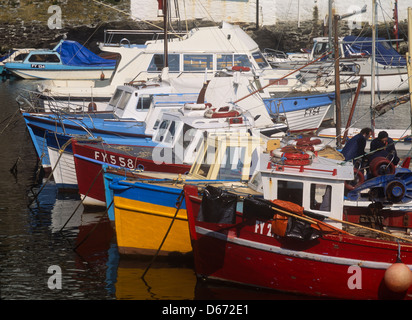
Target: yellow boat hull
x,y
141,228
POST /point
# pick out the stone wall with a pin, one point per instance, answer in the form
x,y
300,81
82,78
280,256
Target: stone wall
x,y
24,23
28,23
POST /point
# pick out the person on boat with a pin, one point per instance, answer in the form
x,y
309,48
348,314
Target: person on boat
x,y
383,146
355,147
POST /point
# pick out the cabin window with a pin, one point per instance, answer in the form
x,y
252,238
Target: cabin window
x,y
320,197
260,60
208,158
44,58
157,63
124,99
20,57
197,62
115,98
290,191
242,60
189,134
320,48
224,61
166,131
170,134
144,102
231,166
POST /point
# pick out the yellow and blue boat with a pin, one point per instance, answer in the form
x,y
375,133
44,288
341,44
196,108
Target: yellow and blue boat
x,y
150,212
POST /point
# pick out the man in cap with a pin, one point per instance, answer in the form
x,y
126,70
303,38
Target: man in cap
x,y
383,146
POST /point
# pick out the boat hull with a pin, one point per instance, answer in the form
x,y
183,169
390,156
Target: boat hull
x,y
303,112
60,152
334,266
89,158
143,214
59,72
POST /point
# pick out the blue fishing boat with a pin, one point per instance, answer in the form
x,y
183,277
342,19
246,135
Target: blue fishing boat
x,y
69,60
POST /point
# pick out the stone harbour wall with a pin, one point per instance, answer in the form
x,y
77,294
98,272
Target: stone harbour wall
x,y
39,24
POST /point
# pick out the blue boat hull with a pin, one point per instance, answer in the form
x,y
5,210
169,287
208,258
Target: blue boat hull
x,y
116,132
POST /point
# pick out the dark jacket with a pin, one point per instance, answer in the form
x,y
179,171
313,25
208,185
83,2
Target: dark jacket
x,y
355,147
388,152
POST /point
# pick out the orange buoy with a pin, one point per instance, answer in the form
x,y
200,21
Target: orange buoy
x,y
398,277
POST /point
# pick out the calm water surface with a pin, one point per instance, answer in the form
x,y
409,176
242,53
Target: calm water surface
x,y
43,229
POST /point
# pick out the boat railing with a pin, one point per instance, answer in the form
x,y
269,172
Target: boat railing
x,y
111,36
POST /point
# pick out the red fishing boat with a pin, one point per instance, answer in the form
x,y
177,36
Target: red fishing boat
x,y
273,242
89,156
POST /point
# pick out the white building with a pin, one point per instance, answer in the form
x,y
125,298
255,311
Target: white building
x,y
270,11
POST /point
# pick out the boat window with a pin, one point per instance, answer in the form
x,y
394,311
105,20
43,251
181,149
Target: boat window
x,y
20,57
162,130
224,61
231,166
290,191
320,48
242,60
116,97
124,99
320,197
189,134
170,134
44,58
208,159
260,60
144,102
157,63
197,62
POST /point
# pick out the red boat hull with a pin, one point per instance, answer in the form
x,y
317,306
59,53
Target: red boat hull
x,y
89,157
335,266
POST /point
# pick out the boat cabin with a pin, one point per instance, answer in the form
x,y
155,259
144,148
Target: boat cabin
x,y
180,134
137,103
227,156
201,51
318,187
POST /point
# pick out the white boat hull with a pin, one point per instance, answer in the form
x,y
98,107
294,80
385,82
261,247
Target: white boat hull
x,y
42,74
64,170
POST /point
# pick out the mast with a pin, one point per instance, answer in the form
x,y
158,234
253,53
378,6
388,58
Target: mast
x,y
165,14
337,83
396,26
409,55
373,70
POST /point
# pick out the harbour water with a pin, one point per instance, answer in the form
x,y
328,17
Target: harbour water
x,y
43,232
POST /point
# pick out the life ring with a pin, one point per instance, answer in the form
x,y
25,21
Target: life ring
x,y
358,179
222,112
296,162
308,144
289,157
381,166
197,106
